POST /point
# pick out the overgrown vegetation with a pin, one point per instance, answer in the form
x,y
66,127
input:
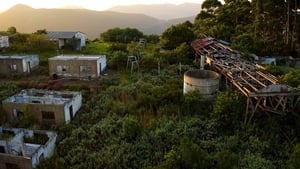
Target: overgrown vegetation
x,y
141,119
144,121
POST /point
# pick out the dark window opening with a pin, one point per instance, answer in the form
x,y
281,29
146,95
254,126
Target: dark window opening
x,y
71,112
13,67
29,67
11,166
61,68
17,113
67,95
41,157
48,115
54,76
2,149
85,69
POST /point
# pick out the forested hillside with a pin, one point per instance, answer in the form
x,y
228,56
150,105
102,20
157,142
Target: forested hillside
x,y
139,118
90,22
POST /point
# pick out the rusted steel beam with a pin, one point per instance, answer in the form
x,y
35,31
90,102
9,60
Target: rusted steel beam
x,y
271,78
255,79
249,84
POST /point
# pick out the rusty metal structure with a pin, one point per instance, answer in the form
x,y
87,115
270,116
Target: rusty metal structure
x,y
263,90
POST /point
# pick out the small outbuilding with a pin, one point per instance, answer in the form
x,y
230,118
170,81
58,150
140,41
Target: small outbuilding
x,y
75,40
18,63
4,41
72,66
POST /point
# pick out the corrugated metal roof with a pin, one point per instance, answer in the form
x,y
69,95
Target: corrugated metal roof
x,y
60,35
75,57
15,56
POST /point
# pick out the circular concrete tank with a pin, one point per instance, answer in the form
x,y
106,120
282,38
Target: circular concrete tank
x,y
206,81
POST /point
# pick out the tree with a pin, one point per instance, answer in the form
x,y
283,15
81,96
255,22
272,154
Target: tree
x,y
38,42
131,128
131,34
194,104
152,38
184,53
27,118
117,60
176,35
12,30
291,78
210,6
41,31
294,161
111,35
247,42
229,116
215,20
226,160
268,24
125,35
187,155
254,161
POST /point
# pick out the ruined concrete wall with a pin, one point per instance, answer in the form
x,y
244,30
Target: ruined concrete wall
x,y
82,38
36,109
102,62
50,145
21,162
33,61
76,103
6,66
35,158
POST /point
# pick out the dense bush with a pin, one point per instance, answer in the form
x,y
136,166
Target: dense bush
x,y
291,78
117,60
117,47
125,35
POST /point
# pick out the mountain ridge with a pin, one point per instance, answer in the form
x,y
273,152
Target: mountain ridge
x,y
28,20
161,11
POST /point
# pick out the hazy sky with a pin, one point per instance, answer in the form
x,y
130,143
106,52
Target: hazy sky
x,y
89,4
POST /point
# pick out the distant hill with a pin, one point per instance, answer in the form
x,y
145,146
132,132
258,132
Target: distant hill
x,y
162,11
28,20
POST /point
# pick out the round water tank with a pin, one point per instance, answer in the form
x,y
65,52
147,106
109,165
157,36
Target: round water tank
x,y
206,81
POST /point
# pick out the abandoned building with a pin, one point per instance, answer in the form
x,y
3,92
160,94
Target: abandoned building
x,y
24,149
74,40
18,63
84,67
4,41
48,107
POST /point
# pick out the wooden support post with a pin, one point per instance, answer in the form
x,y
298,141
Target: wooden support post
x,y
247,110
